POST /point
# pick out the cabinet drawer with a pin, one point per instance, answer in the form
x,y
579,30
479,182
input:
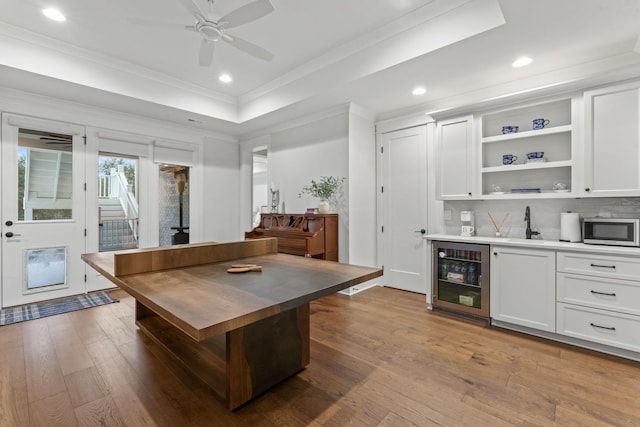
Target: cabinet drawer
x,y
604,327
618,267
609,294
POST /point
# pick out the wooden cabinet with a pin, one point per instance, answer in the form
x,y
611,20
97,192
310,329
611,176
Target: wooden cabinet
x,y
455,172
599,299
313,235
528,178
523,287
612,141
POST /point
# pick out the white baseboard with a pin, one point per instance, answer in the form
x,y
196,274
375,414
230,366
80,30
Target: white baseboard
x,y
358,288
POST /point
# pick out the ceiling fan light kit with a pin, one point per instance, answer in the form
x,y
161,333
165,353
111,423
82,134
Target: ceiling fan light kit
x,y
214,31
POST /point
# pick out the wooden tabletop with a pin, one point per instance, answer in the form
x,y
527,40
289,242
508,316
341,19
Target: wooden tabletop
x,y
205,300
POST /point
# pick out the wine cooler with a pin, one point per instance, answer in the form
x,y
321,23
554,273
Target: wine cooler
x,y
461,278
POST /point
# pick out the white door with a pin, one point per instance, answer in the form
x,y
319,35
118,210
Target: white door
x,y
403,174
43,216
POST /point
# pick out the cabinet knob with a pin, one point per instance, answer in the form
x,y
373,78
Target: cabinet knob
x,y
495,254
469,193
587,189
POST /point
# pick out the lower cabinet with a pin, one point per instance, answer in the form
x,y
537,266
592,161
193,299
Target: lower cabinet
x,y
599,299
523,287
601,326
591,299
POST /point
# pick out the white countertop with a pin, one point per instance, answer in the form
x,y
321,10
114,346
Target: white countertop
x,y
537,244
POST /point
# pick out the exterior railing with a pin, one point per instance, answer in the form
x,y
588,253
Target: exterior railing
x,y
116,186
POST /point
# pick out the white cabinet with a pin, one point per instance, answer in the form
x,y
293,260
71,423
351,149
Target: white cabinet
x,y
454,174
599,299
612,141
528,178
523,287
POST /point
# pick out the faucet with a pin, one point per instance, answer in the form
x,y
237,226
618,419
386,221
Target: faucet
x,y
527,218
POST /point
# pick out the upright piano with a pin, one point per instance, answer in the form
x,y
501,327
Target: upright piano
x,y
311,235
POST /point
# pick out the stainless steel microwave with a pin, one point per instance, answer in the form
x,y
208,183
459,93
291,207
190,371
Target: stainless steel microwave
x,y
611,231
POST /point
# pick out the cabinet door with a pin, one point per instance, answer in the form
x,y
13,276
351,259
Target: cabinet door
x,y
454,152
612,158
523,287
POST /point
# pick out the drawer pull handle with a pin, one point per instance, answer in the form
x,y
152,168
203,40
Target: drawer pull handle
x,y
609,294
608,328
603,266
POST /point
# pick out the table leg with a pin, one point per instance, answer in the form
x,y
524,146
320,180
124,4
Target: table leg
x,y
266,352
244,362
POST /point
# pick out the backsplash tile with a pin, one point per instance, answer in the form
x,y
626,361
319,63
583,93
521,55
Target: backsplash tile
x,y
545,214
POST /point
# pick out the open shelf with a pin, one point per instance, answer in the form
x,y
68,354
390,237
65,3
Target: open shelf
x,y
528,166
517,196
555,141
527,134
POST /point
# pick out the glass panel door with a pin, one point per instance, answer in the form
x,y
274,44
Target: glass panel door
x,y
118,211
461,278
42,210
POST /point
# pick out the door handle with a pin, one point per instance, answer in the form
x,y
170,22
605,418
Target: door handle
x,y
11,234
421,231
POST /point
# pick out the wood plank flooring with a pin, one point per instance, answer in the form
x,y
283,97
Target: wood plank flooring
x,y
378,358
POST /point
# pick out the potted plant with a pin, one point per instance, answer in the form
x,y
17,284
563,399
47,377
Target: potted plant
x,y
325,189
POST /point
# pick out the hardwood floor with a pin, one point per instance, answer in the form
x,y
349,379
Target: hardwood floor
x,y
379,358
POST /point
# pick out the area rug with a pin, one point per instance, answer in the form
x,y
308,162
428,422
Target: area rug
x,y
49,308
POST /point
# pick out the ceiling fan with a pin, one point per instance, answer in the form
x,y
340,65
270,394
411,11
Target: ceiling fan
x,y
215,31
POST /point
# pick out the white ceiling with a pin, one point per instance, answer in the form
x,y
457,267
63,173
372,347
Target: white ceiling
x,y
136,56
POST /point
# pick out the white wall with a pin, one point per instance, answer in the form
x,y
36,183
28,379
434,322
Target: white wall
x,y
307,152
362,188
221,182
340,142
300,154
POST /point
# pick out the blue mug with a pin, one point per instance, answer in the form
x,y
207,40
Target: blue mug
x,y
535,155
509,129
508,159
539,123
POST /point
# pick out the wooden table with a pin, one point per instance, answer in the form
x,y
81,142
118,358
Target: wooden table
x,y
239,333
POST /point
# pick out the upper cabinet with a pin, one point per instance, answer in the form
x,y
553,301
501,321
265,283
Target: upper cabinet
x,y
612,141
565,147
454,175
528,152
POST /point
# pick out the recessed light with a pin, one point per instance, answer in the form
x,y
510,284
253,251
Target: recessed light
x,y
419,91
54,14
225,78
521,62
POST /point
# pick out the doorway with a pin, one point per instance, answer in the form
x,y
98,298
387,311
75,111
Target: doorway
x,y
118,211
260,188
174,205
43,217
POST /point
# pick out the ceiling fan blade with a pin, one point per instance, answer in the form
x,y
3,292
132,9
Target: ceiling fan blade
x,y
247,13
206,52
249,48
194,9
